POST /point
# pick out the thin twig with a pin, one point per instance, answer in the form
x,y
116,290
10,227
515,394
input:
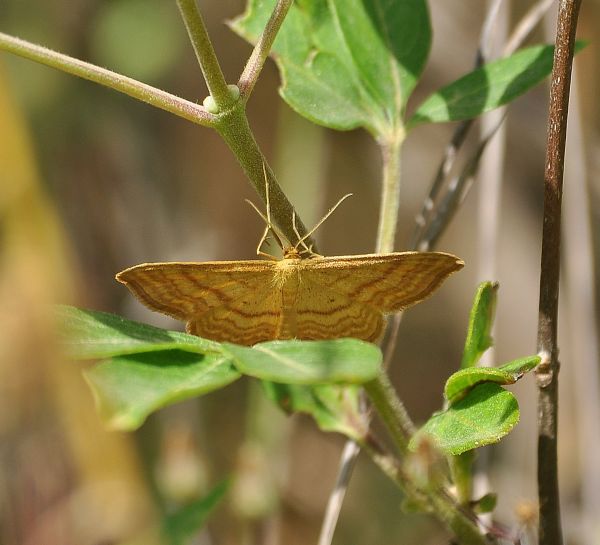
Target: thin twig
x,y
131,87
456,141
526,25
262,49
205,53
487,30
446,164
336,498
456,194
519,35
392,340
547,373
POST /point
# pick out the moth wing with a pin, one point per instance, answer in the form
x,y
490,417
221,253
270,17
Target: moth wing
x,y
221,300
249,319
388,282
324,312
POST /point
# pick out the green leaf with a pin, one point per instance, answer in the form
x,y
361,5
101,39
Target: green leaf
x,y
89,334
485,415
346,63
334,408
481,320
129,388
458,385
180,527
308,362
517,368
493,85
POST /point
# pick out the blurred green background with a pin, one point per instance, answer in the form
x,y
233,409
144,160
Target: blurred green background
x,y
92,182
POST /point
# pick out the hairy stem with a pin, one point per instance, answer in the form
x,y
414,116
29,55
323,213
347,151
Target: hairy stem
x,y
262,48
437,499
133,88
234,129
390,193
547,372
231,122
391,410
209,64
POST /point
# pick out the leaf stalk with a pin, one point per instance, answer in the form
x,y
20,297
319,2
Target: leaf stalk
x,y
262,49
131,87
390,192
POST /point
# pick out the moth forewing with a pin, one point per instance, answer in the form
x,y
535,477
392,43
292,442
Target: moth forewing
x,y
306,298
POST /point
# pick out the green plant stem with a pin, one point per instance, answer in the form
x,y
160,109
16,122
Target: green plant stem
x,y
439,501
133,88
231,124
390,192
394,416
461,468
391,410
234,129
205,53
262,48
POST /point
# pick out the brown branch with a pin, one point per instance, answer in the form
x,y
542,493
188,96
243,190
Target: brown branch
x,y
547,373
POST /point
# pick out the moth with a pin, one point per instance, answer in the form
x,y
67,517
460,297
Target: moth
x,y
302,296
246,302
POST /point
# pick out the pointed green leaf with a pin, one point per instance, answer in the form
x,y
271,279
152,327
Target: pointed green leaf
x,y
308,362
485,415
481,320
334,408
182,526
89,334
493,85
517,368
129,388
346,63
458,385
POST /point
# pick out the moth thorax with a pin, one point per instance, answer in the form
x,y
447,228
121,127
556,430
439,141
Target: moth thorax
x,y
291,253
285,268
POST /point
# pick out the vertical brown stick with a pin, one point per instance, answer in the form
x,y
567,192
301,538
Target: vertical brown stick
x,y
547,375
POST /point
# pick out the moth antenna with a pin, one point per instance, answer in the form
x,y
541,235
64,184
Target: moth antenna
x,y
256,209
267,197
268,228
321,221
312,252
298,235
277,234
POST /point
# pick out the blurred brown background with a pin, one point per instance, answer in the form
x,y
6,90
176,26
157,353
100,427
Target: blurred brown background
x,y
92,182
